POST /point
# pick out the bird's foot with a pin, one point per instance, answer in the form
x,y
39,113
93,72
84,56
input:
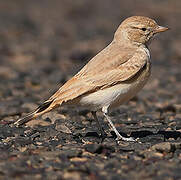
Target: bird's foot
x,y
129,139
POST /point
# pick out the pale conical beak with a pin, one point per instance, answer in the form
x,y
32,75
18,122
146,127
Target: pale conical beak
x,y
160,29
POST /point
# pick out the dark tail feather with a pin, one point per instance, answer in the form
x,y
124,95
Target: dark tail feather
x,y
43,108
25,119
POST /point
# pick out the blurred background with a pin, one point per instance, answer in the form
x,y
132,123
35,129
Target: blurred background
x,y
43,43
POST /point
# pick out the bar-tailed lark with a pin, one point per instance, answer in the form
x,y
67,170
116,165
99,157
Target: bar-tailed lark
x,y
112,77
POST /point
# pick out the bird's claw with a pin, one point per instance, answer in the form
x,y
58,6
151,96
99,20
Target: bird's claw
x,y
129,139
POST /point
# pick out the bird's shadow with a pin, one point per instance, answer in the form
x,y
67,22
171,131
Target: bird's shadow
x,y
145,133
142,134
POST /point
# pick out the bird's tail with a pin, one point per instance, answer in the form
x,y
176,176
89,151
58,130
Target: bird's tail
x,y
43,108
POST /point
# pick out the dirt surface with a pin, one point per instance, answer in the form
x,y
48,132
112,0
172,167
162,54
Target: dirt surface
x,y
42,44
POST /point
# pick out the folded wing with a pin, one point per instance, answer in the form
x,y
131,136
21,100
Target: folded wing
x,y
119,66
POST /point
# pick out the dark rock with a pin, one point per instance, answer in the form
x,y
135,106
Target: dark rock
x,y
98,148
93,148
89,134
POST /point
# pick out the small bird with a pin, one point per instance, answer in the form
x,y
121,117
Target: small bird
x,y
112,77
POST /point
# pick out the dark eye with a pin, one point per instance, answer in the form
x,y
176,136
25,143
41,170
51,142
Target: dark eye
x,y
143,29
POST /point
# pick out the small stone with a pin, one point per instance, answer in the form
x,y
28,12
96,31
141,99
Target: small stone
x,y
63,128
163,147
93,148
36,122
53,116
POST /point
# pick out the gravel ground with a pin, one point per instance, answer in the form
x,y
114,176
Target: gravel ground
x,y
42,44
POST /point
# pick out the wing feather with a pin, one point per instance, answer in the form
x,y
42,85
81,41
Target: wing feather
x,y
121,65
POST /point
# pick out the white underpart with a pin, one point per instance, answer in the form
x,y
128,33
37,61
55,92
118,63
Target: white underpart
x,y
147,52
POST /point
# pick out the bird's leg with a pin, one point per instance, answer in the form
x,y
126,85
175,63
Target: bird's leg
x,y
119,137
103,134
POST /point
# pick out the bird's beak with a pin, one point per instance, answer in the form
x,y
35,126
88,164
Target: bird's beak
x,y
160,29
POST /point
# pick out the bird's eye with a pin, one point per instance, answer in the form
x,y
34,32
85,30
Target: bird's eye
x,y
143,29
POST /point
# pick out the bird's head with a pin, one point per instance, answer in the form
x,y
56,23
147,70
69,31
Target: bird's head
x,y
138,29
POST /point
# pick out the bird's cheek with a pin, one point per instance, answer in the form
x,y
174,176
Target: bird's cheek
x,y
150,38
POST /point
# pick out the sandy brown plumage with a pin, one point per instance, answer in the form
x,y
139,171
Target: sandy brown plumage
x,y
113,76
